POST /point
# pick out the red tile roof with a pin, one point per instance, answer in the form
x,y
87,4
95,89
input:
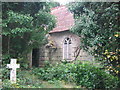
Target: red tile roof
x,y
64,19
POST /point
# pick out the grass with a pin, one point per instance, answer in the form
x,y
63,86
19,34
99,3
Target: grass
x,y
57,84
25,79
65,75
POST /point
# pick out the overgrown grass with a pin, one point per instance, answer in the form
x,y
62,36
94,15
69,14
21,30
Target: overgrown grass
x,y
27,79
64,75
83,74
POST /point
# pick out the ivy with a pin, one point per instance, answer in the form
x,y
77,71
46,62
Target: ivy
x,y
98,26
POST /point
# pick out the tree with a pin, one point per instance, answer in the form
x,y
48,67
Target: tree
x,y
24,29
98,26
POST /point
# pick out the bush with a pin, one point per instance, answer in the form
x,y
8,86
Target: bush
x,y
25,79
92,77
5,73
82,74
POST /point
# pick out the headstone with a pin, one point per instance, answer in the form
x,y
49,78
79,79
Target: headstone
x,y
13,67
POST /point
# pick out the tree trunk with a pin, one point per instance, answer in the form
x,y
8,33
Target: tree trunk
x,y
77,52
29,56
0,50
8,45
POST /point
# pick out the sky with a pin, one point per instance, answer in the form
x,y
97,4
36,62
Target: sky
x,y
63,2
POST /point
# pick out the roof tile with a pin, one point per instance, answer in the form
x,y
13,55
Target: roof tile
x,y
64,19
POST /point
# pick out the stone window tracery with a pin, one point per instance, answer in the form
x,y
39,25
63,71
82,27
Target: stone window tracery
x,y
67,49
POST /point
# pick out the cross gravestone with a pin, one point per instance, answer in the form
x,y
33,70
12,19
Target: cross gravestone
x,y
13,67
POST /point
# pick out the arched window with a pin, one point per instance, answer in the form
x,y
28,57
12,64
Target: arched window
x,y
67,49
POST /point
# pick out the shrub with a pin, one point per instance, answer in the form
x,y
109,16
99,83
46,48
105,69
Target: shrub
x,y
93,77
5,73
25,79
82,74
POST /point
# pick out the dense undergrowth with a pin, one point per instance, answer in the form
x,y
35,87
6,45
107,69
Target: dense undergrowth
x,y
82,74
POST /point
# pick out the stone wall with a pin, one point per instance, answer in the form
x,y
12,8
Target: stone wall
x,y
56,55
50,55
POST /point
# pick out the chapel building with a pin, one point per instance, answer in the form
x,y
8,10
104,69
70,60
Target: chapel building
x,y
62,43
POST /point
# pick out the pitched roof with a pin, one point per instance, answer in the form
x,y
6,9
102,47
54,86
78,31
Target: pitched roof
x,y
64,19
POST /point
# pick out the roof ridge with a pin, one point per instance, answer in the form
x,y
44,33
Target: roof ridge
x,y
64,18
57,7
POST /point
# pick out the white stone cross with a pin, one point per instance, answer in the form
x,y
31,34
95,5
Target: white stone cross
x,y
14,66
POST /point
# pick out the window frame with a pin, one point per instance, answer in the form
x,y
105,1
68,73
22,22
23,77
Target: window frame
x,y
66,53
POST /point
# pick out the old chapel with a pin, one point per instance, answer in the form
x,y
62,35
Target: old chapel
x,y
62,44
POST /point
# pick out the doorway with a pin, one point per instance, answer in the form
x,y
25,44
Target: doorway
x,y
35,57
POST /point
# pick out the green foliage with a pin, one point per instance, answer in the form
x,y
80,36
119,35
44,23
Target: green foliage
x,y
85,75
97,25
25,29
45,19
5,59
4,73
110,61
23,63
25,79
16,24
81,74
93,77
7,84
